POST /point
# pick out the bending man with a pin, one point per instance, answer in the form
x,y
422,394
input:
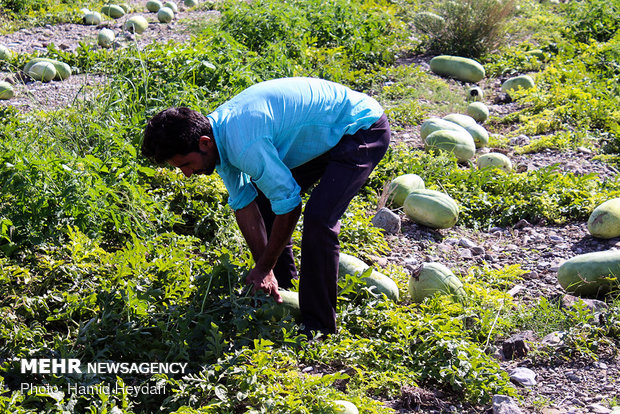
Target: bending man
x,y
271,143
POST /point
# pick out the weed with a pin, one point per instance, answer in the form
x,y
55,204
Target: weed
x,y
470,28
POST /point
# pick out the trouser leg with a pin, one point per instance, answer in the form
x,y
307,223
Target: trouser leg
x,y
348,165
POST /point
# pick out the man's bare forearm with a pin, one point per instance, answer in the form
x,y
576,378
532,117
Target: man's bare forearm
x,y
252,227
266,250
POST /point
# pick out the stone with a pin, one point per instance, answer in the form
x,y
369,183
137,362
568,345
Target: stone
x,y
503,404
554,339
522,223
599,409
465,242
477,250
570,301
517,346
523,376
520,141
387,220
465,254
551,411
514,291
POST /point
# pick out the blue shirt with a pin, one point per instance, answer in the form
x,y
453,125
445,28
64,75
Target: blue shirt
x,y
274,126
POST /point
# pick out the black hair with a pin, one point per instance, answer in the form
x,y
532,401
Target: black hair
x,y
174,131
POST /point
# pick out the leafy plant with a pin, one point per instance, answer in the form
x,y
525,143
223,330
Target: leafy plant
x,y
470,28
595,19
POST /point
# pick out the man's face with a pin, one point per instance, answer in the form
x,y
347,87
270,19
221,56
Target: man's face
x,y
202,161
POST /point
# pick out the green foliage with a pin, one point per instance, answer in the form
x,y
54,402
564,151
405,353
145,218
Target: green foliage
x,y
513,60
471,28
366,34
596,19
560,140
576,326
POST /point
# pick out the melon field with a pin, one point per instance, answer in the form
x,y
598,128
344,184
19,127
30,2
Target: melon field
x,y
497,250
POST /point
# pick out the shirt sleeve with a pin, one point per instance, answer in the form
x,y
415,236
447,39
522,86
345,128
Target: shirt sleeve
x,y
241,192
261,161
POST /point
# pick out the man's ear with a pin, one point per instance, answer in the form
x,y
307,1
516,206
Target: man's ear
x,y
205,143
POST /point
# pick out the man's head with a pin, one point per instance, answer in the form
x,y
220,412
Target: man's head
x,y
182,137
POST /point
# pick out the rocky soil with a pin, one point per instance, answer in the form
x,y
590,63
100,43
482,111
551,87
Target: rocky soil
x,y
576,386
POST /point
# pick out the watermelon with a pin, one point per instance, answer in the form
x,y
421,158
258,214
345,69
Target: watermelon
x,y
428,22
401,186
479,135
278,311
345,407
136,24
5,53
114,11
456,67
460,119
461,144
153,6
518,83
431,208
475,93
604,221
376,281
92,18
495,160
478,111
106,37
172,6
435,124
165,15
63,71
42,71
590,274
6,90
434,278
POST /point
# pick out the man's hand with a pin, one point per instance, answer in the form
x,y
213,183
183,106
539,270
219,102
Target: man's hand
x,y
264,281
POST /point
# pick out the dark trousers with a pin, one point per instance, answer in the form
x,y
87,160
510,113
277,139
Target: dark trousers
x,y
340,173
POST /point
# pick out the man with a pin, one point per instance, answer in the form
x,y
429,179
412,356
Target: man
x,y
271,143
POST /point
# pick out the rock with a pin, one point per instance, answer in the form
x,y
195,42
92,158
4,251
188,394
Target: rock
x,y
517,346
477,250
465,242
503,404
554,339
598,409
522,223
600,365
515,290
387,220
551,411
523,376
520,141
465,254
570,301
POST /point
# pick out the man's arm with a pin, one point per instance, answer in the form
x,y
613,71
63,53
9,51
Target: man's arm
x,y
266,251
